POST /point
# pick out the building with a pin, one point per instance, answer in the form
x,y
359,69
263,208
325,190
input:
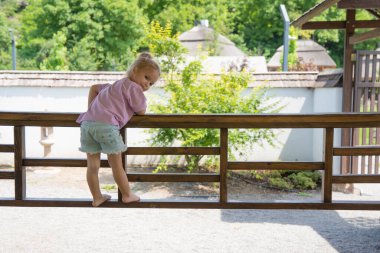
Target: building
x,y
203,40
310,52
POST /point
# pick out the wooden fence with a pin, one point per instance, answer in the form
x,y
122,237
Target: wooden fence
x,y
328,122
366,99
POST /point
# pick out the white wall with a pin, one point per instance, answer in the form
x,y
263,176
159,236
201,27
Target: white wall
x,y
327,100
292,144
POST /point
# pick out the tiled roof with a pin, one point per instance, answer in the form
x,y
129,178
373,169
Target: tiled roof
x,y
86,79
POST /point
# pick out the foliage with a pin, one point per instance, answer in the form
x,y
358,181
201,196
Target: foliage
x,y
106,32
164,44
289,179
191,92
279,182
105,35
9,12
183,14
56,57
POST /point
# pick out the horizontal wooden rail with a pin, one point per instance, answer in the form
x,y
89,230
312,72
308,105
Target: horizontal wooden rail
x,y
173,177
276,166
56,162
7,148
356,151
335,205
346,179
336,120
173,151
7,175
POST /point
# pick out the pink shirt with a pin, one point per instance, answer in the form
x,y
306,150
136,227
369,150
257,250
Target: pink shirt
x,y
115,104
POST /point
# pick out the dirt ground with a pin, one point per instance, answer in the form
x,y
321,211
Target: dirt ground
x,y
69,182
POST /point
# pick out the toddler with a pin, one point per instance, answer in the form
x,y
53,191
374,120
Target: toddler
x,y
109,108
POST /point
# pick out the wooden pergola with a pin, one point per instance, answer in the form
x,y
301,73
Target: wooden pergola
x,y
351,26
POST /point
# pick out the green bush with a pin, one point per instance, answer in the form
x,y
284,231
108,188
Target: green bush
x,y
289,179
280,182
302,181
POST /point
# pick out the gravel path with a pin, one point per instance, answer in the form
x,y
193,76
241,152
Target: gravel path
x,y
179,230
171,230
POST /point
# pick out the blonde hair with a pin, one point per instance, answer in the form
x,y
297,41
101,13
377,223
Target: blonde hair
x,y
145,59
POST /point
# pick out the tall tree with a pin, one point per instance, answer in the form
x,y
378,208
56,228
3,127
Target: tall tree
x,y
106,31
183,14
9,12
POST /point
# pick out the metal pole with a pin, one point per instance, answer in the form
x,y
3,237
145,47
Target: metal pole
x,y
13,50
286,20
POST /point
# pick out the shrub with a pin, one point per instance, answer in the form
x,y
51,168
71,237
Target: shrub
x,y
302,181
191,92
290,179
280,182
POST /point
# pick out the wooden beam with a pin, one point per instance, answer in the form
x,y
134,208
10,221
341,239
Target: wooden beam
x,y
320,25
20,171
223,164
356,179
276,166
328,172
357,151
315,11
317,25
56,162
7,175
7,148
366,23
347,85
173,151
357,38
173,177
359,4
335,205
374,13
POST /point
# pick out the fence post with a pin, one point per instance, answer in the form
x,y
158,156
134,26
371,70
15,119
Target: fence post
x,y
223,164
19,154
328,160
123,133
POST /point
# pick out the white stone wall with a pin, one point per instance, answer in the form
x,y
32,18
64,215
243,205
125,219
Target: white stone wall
x,y
292,144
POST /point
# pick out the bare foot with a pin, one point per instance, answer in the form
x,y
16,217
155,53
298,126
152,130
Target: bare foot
x,y
98,202
131,198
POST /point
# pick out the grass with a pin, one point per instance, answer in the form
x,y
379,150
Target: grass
x,y
109,187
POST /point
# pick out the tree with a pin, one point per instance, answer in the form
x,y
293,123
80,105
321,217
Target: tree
x,y
9,12
56,56
183,14
106,31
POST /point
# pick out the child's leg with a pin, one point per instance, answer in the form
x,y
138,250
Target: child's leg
x,y
121,178
93,165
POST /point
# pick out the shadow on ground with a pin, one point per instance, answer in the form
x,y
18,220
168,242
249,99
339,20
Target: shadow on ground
x,y
346,233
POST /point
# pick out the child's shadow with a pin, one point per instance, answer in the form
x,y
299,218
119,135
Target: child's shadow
x,y
352,233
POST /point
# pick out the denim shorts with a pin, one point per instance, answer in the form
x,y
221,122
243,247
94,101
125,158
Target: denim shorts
x,y
98,137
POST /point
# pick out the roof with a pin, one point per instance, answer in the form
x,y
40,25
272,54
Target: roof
x,y
64,79
310,51
200,37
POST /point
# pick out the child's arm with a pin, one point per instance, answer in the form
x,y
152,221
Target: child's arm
x,y
94,91
140,112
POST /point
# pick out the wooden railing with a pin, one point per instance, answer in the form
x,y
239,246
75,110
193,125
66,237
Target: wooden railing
x,y
328,122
